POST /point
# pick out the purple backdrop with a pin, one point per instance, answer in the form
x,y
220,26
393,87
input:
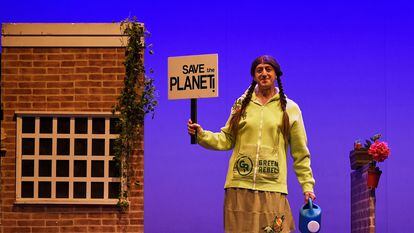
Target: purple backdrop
x,y
347,64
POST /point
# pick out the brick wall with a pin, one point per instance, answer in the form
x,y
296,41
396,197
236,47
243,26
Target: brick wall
x,y
62,79
362,203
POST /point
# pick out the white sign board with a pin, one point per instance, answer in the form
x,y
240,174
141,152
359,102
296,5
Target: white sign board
x,y
193,76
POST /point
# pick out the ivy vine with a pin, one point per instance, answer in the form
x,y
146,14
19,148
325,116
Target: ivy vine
x,y
137,99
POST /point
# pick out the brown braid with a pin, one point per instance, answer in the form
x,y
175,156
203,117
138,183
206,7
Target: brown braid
x,y
235,119
285,120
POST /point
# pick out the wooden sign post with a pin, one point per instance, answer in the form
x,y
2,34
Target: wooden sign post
x,y
193,77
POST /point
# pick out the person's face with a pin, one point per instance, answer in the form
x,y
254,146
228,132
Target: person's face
x,y
265,76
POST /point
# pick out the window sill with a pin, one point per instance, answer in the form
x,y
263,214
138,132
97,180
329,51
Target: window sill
x,y
24,201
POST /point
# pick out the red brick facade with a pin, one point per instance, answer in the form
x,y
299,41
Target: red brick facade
x,y
62,79
362,202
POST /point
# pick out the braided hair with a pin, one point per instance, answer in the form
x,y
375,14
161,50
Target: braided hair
x,y
285,128
239,112
235,119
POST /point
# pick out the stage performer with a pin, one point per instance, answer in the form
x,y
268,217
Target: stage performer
x,y
262,125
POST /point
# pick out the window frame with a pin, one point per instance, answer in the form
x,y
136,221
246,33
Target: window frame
x,y
71,158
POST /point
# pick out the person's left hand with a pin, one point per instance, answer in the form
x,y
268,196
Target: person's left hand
x,y
310,195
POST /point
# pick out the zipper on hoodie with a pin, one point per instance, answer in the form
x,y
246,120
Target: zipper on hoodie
x,y
259,142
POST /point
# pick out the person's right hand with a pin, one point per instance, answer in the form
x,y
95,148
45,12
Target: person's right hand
x,y
309,195
192,127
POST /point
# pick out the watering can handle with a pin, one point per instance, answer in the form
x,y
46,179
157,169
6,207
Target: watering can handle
x,y
310,203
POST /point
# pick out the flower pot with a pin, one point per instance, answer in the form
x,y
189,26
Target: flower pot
x,y
359,158
373,176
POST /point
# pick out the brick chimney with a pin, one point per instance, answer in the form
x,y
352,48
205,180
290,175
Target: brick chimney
x,y
362,198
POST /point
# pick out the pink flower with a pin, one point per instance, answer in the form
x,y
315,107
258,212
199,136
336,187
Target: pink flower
x,y
379,151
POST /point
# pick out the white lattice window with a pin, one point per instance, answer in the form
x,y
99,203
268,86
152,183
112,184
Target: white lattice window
x,y
66,158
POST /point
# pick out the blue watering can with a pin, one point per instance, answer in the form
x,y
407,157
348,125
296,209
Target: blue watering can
x,y
310,218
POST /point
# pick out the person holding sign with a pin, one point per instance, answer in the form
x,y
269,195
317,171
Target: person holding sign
x,y
262,125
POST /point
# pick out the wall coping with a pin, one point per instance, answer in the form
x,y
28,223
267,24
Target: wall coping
x,y
63,35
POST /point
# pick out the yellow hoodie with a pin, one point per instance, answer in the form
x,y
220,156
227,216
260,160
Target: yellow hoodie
x,y
258,161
